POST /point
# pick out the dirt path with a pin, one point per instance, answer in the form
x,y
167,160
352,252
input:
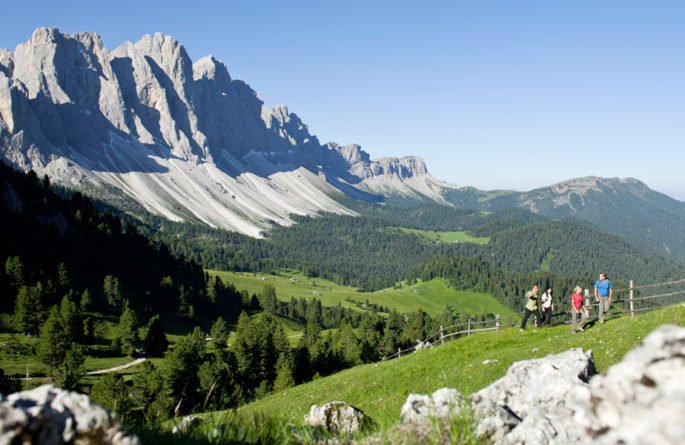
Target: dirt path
x,y
135,362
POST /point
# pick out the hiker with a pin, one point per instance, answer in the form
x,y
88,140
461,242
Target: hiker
x,y
531,307
547,307
577,307
604,291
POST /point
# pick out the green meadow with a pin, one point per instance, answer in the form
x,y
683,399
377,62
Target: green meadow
x,y
445,237
380,389
431,296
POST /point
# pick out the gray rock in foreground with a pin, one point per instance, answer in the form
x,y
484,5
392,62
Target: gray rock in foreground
x,y
529,404
419,409
640,400
556,399
336,418
49,415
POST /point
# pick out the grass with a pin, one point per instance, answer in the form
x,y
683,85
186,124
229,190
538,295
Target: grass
x,y
444,237
431,296
380,389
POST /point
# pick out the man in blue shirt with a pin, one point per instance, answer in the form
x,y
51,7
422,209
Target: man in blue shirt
x,y
604,290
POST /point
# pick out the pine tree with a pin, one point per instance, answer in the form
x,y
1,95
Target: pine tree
x,y
14,268
155,341
111,288
284,377
58,351
27,310
73,323
53,340
219,333
181,369
67,374
127,335
267,299
111,391
63,276
86,301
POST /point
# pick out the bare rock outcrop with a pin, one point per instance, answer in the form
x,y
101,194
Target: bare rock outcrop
x,y
52,416
336,418
559,399
530,403
641,399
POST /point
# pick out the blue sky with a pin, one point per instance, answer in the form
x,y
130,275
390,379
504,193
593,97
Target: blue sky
x,y
493,94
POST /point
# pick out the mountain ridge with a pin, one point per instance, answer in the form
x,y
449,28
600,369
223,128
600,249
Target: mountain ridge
x,y
143,119
144,124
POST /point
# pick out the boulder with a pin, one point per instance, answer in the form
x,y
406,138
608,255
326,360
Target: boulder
x,y
560,399
422,409
49,415
336,418
529,404
641,399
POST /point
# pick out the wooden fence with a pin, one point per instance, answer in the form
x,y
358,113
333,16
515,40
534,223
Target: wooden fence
x,y
633,298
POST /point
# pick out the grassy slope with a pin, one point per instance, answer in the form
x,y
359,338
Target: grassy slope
x,y
430,296
446,237
380,389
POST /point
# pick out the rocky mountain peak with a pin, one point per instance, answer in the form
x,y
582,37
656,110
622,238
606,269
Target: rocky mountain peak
x,y
179,138
44,35
168,53
405,167
352,153
211,69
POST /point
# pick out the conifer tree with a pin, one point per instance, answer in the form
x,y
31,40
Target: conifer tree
x,y
27,310
14,268
181,369
62,356
127,335
284,377
219,332
111,391
155,341
73,323
111,288
267,299
86,301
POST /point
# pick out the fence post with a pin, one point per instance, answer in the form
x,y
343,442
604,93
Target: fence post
x,y
399,352
632,308
468,330
497,322
442,336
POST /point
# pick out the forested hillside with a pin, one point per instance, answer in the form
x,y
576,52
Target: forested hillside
x,y
366,252
56,246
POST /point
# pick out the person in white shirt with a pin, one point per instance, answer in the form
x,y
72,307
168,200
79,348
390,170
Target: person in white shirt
x,y
547,307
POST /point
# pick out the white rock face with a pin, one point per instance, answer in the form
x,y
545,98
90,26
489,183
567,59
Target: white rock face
x,y
176,136
51,416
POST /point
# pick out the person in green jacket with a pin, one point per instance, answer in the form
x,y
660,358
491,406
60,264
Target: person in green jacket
x,y
531,307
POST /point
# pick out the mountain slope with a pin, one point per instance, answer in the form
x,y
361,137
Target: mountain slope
x,y
624,207
144,123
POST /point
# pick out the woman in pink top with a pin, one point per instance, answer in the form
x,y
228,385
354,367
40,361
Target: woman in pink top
x,y
578,308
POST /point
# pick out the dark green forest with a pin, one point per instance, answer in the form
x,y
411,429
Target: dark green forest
x,y
361,252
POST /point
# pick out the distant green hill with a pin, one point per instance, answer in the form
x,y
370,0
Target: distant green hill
x,y
431,296
380,389
621,206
